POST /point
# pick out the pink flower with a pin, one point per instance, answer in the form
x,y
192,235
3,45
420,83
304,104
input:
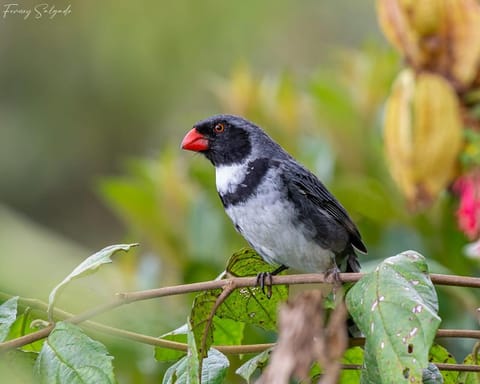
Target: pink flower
x,y
468,213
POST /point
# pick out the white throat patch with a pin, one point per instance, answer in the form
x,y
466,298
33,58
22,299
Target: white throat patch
x,y
227,177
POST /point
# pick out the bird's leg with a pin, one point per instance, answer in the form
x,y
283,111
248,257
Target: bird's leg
x,y
262,279
332,275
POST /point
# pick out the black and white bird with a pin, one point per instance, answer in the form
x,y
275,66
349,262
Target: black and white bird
x,y
282,209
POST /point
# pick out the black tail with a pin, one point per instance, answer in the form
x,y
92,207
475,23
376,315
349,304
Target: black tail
x,y
348,260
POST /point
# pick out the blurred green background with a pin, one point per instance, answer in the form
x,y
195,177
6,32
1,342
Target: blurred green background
x,y
93,107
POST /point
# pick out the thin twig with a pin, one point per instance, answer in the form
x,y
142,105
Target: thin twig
x,y
239,282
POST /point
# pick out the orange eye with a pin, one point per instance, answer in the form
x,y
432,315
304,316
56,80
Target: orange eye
x,y
219,128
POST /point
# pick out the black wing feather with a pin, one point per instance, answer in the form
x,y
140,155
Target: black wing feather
x,y
302,182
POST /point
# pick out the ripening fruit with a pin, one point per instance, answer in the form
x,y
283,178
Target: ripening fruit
x,y
423,135
441,36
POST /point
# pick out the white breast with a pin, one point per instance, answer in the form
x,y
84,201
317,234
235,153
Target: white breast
x,y
266,222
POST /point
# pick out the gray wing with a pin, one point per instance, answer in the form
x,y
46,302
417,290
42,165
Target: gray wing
x,y
317,204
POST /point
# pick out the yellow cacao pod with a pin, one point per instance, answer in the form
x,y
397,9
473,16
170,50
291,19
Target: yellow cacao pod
x,y
422,135
441,36
463,33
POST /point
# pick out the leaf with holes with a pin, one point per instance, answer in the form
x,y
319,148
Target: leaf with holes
x,y
201,320
244,305
86,267
396,308
251,305
69,356
439,354
8,314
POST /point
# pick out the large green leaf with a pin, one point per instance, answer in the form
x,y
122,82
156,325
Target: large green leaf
x,y
199,319
69,356
396,307
86,267
245,305
227,332
8,314
251,305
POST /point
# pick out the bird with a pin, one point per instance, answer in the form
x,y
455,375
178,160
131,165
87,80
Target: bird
x,y
282,209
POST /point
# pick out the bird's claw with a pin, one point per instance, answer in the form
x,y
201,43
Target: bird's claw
x,y
332,275
262,278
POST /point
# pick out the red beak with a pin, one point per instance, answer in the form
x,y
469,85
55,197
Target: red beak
x,y
194,141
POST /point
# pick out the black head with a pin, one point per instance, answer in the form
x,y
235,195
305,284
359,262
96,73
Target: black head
x,y
223,139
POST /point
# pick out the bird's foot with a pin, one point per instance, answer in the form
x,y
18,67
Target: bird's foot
x,y
332,275
265,279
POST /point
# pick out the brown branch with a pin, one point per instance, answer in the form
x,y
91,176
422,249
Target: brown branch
x,y
238,282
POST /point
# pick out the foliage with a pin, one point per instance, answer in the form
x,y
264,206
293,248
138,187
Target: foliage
x,y
330,118
395,306
69,356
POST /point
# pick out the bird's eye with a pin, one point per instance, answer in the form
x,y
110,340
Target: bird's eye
x,y
219,128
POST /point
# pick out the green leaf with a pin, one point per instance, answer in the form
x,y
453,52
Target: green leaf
x,y
227,332
199,319
215,367
8,314
193,362
439,354
247,369
177,373
168,354
88,266
469,377
186,370
251,305
246,305
355,356
396,309
69,356
21,327
432,375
